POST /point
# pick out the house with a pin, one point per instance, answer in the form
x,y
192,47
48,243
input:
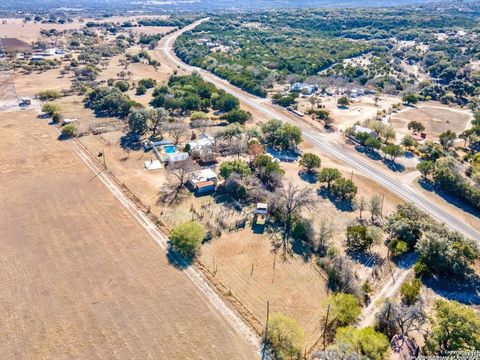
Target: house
x,y
361,129
203,181
203,142
304,88
175,157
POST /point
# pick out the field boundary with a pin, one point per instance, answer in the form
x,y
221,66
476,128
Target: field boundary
x,y
200,272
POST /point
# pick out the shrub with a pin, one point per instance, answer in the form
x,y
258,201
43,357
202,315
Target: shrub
x,y
69,130
186,238
50,108
122,85
410,291
371,344
48,95
141,90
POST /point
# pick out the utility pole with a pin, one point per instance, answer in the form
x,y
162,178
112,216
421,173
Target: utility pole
x,y
266,330
325,327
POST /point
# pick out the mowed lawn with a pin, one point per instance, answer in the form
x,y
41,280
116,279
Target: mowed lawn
x,y
80,277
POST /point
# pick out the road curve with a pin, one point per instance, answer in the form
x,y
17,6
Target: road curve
x,y
321,142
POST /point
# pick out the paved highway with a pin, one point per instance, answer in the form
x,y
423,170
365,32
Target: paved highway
x,y
322,142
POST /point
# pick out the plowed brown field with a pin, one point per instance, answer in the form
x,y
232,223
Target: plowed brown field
x,y
80,278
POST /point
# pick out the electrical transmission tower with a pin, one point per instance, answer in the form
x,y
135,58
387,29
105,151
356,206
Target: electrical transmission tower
x,y
8,93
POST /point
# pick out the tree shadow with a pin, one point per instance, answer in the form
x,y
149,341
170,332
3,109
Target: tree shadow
x,y
405,261
177,260
467,292
394,166
130,141
346,206
451,199
309,177
367,259
301,248
63,137
371,154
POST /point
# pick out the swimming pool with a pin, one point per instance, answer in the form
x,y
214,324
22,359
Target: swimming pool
x,y
169,149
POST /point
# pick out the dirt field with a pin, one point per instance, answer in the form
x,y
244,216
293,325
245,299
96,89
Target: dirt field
x,y
30,31
294,287
32,84
81,279
360,109
435,117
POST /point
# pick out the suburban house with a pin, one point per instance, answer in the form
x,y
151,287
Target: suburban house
x,y
203,181
361,129
304,88
205,141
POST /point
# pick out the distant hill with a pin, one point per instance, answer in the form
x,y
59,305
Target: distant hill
x,y
148,6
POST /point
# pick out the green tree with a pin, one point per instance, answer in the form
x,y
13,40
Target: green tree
x,y
447,139
226,102
285,337
237,116
415,126
187,237
281,136
343,101
425,167
344,309
410,98
454,327
372,143
310,162
343,189
328,175
393,151
235,166
410,291
362,238
266,169
447,253
138,120
371,344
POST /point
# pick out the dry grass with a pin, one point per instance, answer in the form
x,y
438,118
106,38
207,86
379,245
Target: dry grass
x,y
81,279
435,117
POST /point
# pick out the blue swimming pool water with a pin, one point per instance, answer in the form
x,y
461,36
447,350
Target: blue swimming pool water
x,y
170,149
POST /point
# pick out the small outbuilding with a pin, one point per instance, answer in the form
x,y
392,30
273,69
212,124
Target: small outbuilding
x,y
260,214
203,181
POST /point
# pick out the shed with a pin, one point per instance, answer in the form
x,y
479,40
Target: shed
x,y
260,214
203,181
